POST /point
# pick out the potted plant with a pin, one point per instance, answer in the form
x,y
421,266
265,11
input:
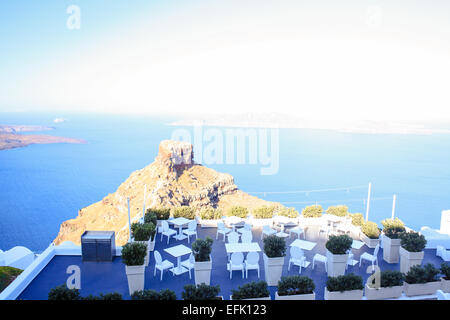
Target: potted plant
x,y
357,222
274,252
209,217
144,233
256,290
201,292
290,214
370,234
184,212
263,216
295,288
346,287
445,279
63,293
411,250
133,256
390,287
161,214
392,228
340,211
421,281
201,248
337,256
164,294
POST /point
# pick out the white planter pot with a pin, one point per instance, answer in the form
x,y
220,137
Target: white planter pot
x,y
261,222
273,268
151,244
345,295
383,293
391,249
310,296
445,285
208,223
136,278
202,272
265,298
371,243
421,289
409,259
336,264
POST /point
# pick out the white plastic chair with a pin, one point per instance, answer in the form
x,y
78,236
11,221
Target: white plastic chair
x,y
320,258
298,231
189,264
443,253
297,258
247,237
191,230
373,258
237,263
166,231
221,229
247,227
268,231
326,227
160,264
233,237
441,295
350,259
344,227
251,262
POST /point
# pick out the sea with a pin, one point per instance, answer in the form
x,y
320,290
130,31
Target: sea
x,y
43,185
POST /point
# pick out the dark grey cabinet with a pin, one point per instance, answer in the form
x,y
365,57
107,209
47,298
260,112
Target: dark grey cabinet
x,y
98,245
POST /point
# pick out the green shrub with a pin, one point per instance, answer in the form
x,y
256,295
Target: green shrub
x,y
288,212
445,270
143,231
7,275
391,278
393,228
357,219
274,246
413,241
345,283
419,274
340,211
292,285
210,213
63,293
339,244
251,290
133,254
238,211
200,292
184,212
314,211
164,294
150,216
264,212
108,296
161,213
370,229
202,249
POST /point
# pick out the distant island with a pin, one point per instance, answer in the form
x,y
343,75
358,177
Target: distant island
x,y
11,137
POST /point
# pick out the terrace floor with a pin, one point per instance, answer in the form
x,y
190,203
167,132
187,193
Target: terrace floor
x,y
106,277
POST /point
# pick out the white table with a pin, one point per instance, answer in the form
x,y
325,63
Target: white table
x,y
356,244
233,220
178,251
242,247
180,222
303,244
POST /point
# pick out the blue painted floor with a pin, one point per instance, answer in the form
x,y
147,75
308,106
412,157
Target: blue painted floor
x,y
108,277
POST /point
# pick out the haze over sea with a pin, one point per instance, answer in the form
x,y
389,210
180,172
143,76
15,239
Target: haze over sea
x,y
43,185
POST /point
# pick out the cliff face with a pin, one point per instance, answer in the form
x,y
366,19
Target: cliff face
x,y
173,179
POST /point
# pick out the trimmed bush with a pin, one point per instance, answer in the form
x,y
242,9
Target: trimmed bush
x,y
200,292
264,212
63,293
251,290
345,283
419,274
238,211
150,216
340,211
161,213
7,275
107,296
314,211
202,249
339,244
445,270
390,278
370,229
164,294
274,247
143,231
357,219
412,241
210,213
392,228
133,254
184,212
292,285
288,212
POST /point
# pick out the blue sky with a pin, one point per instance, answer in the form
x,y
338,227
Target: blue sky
x,y
364,59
